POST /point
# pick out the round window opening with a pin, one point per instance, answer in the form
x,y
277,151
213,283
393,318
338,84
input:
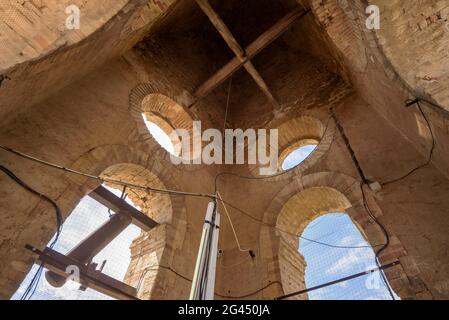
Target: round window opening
x,y
296,155
160,130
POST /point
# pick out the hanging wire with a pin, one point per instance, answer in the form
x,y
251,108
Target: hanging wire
x,y
432,148
105,180
365,181
232,225
269,177
31,289
227,106
387,242
245,213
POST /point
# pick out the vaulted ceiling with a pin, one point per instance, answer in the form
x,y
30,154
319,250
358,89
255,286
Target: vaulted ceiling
x,y
298,68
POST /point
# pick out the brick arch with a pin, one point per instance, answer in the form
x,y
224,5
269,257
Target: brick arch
x,y
161,102
164,107
308,197
295,132
98,160
300,128
413,65
47,20
306,206
155,205
295,215
158,246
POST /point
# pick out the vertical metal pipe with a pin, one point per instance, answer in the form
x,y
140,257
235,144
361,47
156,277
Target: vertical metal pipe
x,y
212,266
207,255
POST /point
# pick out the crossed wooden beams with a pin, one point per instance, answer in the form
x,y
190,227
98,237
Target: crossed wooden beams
x,y
243,56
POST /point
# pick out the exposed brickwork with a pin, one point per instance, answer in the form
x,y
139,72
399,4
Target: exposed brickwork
x,y
295,133
81,105
301,202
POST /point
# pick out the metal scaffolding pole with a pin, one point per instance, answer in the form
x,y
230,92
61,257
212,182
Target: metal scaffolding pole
x,y
203,284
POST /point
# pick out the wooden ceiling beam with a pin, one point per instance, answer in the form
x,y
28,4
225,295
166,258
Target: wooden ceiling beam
x,y
275,31
251,51
222,29
243,56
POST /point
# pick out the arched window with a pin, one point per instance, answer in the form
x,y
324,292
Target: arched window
x,y
298,138
297,156
159,134
118,259
301,141
325,263
113,260
167,122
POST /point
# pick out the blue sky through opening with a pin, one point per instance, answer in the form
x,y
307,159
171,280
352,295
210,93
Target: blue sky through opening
x,y
325,264
85,219
160,136
297,156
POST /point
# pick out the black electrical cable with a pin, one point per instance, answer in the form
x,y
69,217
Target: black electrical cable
x,y
387,238
438,107
155,267
276,175
365,203
20,182
249,294
432,149
30,290
203,276
175,272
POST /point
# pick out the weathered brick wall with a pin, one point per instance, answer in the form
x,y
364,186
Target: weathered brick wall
x,y
375,60
34,28
415,39
96,134
319,196
383,83
66,56
94,125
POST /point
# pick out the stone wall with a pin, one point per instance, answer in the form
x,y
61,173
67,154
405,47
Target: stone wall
x,y
91,131
91,121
